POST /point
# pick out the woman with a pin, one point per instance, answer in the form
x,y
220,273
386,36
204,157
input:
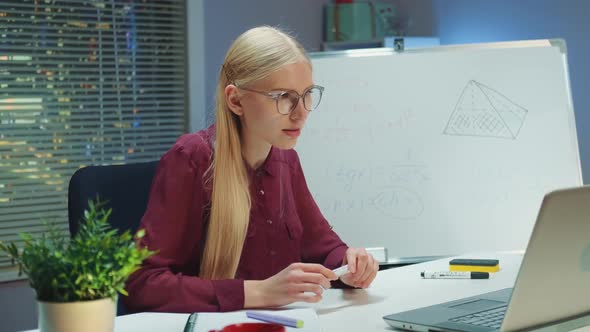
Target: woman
x,y
229,212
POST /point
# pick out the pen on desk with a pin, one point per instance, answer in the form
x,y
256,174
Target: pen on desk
x,y
454,275
286,321
190,322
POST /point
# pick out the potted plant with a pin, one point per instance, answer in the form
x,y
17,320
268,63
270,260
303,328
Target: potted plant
x,y
77,280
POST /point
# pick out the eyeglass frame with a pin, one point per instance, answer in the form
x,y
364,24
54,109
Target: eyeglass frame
x,y
276,94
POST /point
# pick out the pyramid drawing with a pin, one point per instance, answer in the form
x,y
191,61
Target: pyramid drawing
x,y
483,111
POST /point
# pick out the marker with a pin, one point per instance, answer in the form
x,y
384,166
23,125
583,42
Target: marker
x,y
190,323
454,275
341,271
281,320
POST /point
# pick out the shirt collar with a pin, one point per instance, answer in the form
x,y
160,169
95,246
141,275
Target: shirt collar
x,y
273,161
269,166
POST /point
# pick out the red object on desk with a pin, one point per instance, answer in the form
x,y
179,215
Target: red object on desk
x,y
252,327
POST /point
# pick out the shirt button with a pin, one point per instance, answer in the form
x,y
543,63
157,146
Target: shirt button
x,y
272,252
261,192
269,221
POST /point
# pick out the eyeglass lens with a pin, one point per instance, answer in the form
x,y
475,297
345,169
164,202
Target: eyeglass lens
x,y
288,101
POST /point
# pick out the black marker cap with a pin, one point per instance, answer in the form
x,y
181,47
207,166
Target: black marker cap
x,y
480,275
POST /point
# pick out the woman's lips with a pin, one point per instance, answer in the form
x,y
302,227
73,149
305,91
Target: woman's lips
x,y
292,132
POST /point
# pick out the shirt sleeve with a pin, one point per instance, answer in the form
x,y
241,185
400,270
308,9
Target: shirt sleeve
x,y
320,244
174,226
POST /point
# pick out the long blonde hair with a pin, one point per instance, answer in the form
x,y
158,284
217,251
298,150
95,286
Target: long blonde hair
x,y
253,56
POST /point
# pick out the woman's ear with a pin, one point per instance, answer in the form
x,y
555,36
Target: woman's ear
x,y
232,98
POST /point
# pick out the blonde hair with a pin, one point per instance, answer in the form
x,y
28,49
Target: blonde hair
x,y
253,56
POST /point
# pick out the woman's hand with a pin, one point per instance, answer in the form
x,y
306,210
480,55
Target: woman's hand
x,y
362,266
288,286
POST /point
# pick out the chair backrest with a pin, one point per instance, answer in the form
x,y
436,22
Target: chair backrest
x,y
125,188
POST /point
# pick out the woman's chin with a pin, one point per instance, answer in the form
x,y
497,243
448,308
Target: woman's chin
x,y
286,144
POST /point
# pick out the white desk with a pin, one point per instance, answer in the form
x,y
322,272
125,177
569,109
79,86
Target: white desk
x,y
393,290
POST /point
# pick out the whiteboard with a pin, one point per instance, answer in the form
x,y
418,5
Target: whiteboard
x,y
440,151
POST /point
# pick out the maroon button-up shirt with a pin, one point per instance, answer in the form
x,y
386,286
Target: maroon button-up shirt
x,y
286,226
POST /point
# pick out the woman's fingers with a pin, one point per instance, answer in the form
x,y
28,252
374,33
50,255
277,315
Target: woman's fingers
x,y
368,272
358,259
308,288
315,278
368,282
315,268
308,298
351,259
305,292
363,268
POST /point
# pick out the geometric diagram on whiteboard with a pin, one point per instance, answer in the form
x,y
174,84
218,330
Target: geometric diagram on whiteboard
x,y
398,203
483,111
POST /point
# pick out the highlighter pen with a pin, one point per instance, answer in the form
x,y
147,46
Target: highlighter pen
x,y
270,318
454,275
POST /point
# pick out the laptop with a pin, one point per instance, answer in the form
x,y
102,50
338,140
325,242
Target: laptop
x,y
552,287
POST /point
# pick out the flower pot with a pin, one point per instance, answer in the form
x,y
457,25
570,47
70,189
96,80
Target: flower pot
x,y
87,316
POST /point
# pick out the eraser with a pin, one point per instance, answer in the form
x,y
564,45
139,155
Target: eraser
x,y
474,265
341,271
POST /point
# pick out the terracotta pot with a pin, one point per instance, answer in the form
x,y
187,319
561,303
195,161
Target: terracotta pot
x,y
87,316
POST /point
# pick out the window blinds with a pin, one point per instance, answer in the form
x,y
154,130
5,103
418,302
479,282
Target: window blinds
x,y
82,83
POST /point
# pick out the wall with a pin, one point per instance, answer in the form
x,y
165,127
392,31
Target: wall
x,y
421,16
466,21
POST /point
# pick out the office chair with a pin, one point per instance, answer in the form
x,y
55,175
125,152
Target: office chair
x,y
124,188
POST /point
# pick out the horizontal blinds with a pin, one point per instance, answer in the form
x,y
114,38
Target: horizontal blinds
x,y
82,83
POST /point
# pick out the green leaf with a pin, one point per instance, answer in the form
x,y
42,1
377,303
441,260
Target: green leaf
x,y
123,291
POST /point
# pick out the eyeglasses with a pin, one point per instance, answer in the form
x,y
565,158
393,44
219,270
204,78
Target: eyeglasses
x,y
287,100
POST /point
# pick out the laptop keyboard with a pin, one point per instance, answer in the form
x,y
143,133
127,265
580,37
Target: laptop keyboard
x,y
490,318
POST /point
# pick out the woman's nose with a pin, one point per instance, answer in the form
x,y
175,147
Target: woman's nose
x,y
299,113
